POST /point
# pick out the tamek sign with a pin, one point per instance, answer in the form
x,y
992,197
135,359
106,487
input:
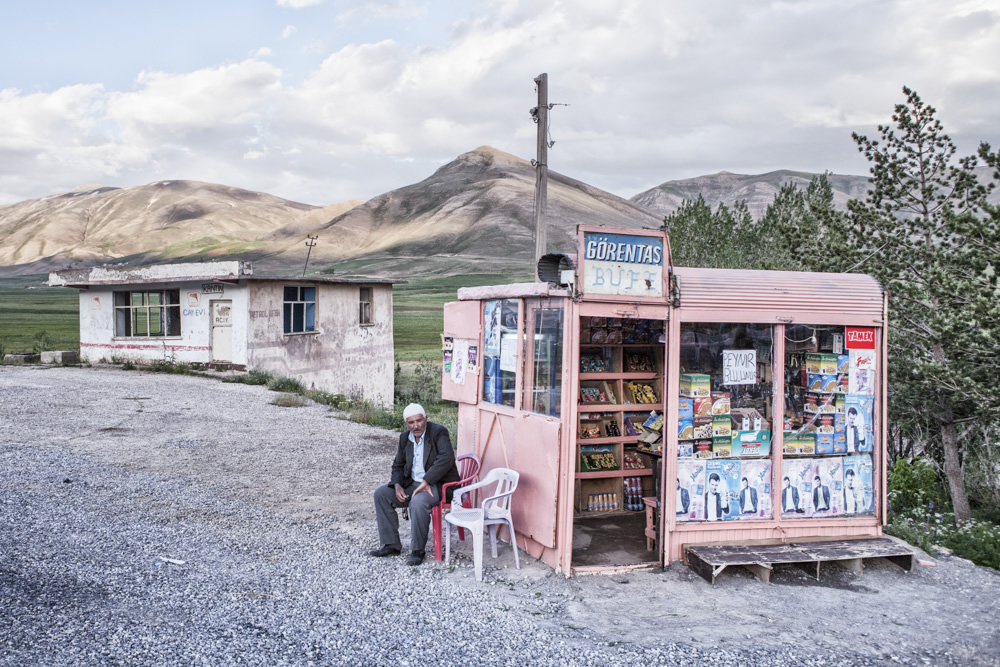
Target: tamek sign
x,y
622,264
860,338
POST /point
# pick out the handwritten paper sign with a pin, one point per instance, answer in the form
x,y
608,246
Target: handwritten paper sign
x,y
739,367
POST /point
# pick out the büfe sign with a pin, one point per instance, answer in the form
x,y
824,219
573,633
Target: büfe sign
x,y
860,338
739,367
622,264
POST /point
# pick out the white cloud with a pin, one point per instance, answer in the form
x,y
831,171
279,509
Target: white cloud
x,y
288,31
263,52
657,89
299,4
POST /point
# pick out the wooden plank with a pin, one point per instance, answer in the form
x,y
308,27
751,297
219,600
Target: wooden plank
x,y
761,570
702,568
811,568
855,565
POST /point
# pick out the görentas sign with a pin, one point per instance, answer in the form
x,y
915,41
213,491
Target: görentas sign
x,y
622,264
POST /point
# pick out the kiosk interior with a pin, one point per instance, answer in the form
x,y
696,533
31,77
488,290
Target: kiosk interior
x,y
649,407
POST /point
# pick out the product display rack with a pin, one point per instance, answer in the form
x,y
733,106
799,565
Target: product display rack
x,y
620,373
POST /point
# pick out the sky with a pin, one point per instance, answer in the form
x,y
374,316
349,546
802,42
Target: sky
x,y
322,101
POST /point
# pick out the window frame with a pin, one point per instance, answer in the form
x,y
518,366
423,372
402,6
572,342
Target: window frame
x,y
365,317
135,307
298,307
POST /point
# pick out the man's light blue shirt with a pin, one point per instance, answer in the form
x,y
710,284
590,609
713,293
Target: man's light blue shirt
x,y
418,458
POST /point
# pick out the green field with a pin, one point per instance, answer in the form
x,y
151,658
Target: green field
x,y
33,315
29,309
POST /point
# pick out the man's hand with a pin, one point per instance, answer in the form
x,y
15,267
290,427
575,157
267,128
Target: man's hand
x,y
401,493
424,486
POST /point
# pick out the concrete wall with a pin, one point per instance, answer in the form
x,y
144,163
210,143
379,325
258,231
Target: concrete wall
x,y
97,325
342,356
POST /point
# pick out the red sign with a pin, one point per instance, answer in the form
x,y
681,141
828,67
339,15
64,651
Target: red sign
x,y
860,338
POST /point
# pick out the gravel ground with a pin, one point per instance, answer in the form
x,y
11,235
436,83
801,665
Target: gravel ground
x,y
267,511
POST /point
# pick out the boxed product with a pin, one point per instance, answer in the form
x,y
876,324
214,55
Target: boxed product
x,y
703,406
702,428
721,426
685,450
594,361
843,383
840,443
695,384
751,443
703,448
799,444
824,424
685,409
685,429
839,402
824,443
821,403
825,364
822,383
720,403
843,364
748,419
722,448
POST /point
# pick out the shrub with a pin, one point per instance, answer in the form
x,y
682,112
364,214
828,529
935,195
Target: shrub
x,y
285,400
286,384
254,377
168,366
128,366
41,342
976,540
913,485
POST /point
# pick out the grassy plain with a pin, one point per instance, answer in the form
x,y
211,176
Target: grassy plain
x,y
29,309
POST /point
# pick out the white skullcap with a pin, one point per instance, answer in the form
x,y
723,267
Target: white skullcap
x,y
413,409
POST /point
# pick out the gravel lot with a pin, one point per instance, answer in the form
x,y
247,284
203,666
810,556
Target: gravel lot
x,y
105,473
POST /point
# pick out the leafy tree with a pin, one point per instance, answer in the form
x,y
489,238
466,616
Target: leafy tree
x,y
723,239
927,234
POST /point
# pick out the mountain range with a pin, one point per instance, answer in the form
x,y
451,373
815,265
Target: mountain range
x,y
473,215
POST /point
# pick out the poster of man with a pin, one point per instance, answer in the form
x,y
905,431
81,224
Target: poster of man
x,y
859,497
859,428
691,478
722,480
796,491
830,472
757,473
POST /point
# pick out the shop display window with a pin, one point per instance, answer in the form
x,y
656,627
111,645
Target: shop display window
x,y
543,361
501,338
829,421
620,407
725,413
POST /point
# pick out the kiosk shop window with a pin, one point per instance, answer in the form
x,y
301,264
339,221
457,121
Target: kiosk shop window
x,y
150,313
829,421
501,342
724,465
543,361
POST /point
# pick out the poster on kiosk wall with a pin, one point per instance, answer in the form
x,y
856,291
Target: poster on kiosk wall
x,y
796,487
828,487
754,494
690,490
722,483
859,495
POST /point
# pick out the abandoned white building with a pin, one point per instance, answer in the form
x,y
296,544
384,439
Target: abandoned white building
x,y
334,334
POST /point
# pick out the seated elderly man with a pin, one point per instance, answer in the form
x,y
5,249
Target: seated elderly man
x,y
424,461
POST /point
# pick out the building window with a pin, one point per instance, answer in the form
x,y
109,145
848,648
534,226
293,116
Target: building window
x,y
365,306
299,314
502,344
152,313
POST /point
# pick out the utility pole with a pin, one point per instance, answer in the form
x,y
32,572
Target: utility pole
x,y
311,242
541,117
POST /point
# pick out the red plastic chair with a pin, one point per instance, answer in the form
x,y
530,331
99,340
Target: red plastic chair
x,y
468,470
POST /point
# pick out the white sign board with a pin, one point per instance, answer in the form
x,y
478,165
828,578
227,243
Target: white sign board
x,y
739,367
622,264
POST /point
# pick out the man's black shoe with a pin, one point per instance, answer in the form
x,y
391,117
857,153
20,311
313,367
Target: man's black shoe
x,y
416,558
385,550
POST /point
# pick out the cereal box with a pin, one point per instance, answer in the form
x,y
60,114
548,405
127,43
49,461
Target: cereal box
x,y
825,364
685,409
685,429
722,448
824,443
799,444
703,406
695,384
720,403
702,428
721,426
822,383
843,364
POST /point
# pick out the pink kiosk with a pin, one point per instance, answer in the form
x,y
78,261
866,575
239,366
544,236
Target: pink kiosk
x,y
654,410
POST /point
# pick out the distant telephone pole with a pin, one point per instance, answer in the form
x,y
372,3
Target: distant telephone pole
x,y
311,242
541,117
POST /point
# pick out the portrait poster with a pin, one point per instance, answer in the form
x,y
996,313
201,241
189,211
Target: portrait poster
x,y
858,427
795,493
491,333
831,474
472,366
691,487
727,504
757,472
859,492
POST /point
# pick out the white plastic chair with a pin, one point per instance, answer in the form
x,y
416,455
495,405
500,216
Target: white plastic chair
x,y
494,510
